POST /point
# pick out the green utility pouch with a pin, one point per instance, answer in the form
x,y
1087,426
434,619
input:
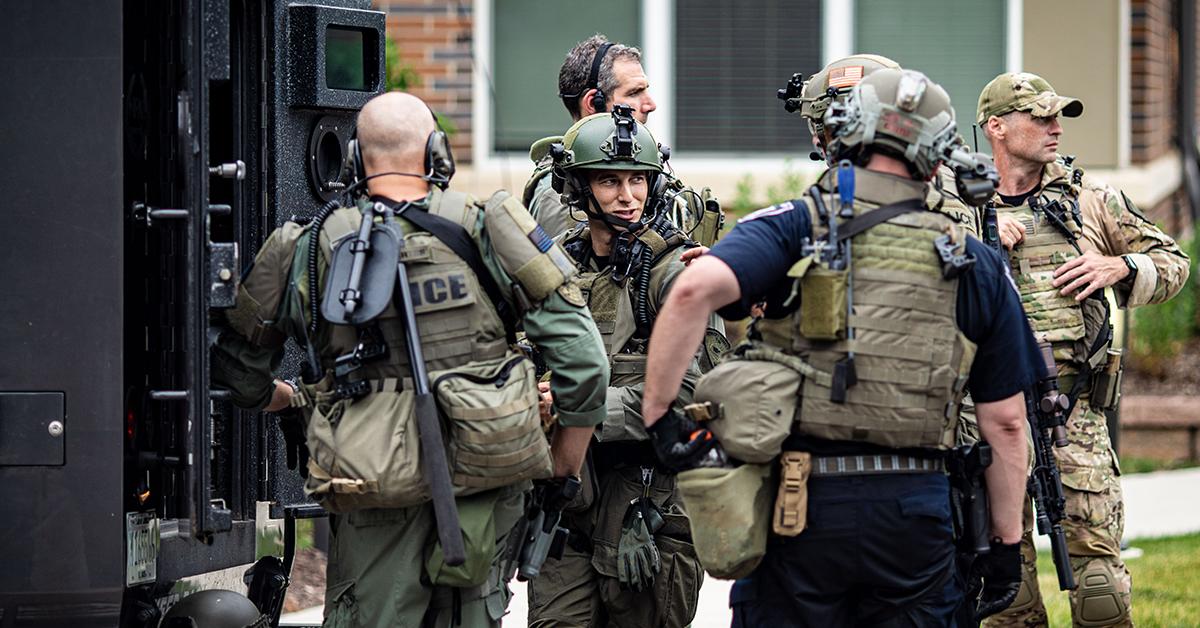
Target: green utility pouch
x,y
757,392
823,303
477,517
730,511
495,432
1106,383
364,454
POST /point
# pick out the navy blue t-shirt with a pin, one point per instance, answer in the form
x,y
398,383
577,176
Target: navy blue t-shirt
x,y
764,245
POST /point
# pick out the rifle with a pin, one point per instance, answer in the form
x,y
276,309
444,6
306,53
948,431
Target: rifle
x,y
1047,423
537,534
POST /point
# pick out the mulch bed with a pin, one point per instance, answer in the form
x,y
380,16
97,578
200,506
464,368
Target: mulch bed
x,y
307,587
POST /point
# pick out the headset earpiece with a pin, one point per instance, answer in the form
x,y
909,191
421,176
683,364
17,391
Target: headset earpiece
x,y
439,160
358,170
599,101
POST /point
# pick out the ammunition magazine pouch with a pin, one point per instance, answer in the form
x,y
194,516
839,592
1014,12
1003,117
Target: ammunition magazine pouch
x,y
1106,382
791,503
753,399
823,308
730,511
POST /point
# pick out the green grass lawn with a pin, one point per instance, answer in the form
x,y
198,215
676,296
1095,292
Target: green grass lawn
x,y
1130,464
1166,584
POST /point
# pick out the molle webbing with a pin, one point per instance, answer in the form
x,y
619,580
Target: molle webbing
x,y
1053,316
909,353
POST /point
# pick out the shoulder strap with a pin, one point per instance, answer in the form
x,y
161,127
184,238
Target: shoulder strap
x,y
866,220
456,237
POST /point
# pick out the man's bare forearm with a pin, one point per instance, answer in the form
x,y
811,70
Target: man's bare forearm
x,y
1002,424
706,285
568,448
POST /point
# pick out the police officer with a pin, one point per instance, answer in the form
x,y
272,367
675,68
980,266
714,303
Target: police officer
x,y
596,76
631,562
1070,236
878,413
475,268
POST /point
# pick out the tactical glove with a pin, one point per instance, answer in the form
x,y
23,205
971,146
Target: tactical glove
x,y
681,444
1000,570
637,556
293,439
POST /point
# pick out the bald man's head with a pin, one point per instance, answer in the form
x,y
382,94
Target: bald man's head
x,y
392,131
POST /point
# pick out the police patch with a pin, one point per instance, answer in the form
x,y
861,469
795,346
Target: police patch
x,y
773,210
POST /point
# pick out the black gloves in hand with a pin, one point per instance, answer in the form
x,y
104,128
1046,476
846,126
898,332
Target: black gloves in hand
x,y
294,442
681,444
1000,570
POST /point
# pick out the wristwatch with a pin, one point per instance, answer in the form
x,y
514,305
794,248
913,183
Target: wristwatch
x,y
1132,266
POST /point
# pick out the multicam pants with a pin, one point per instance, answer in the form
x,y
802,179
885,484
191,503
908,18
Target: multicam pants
x,y
1094,524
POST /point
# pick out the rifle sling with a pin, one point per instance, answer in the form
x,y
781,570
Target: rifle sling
x,y
456,237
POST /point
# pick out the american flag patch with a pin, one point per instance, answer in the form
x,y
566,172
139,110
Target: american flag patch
x,y
845,77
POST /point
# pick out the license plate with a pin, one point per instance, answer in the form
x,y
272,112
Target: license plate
x,y
141,548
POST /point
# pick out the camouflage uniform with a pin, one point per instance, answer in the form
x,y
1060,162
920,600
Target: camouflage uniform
x,y
1110,226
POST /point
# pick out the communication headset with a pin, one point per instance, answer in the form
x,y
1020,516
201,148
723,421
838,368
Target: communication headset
x,y
599,99
439,161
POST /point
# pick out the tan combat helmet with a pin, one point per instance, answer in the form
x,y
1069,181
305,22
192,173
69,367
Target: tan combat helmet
x,y
897,112
1022,91
841,76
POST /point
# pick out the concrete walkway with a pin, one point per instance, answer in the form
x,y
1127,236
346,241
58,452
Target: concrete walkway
x,y
1163,503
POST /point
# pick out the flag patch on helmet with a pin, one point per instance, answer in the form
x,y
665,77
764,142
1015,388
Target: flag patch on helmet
x,y
845,77
773,210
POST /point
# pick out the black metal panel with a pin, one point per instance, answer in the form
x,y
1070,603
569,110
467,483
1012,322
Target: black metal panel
x,y
308,48
32,428
297,103
61,254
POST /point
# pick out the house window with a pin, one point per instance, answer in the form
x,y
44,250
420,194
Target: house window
x,y
730,58
530,40
962,50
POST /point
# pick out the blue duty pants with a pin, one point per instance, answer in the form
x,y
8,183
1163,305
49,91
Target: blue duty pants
x,y
878,551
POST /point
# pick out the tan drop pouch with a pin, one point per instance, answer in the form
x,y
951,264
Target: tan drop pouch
x,y
757,398
730,511
494,431
364,454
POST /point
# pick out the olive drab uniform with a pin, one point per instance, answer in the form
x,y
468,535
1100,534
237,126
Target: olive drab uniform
x,y
698,213
384,564
1102,219
582,588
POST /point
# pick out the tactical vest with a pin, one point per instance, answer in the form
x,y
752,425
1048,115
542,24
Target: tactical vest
x,y
911,360
1076,330
364,450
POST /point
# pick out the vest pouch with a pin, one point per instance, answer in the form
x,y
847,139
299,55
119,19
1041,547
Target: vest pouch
x,y
364,453
477,517
823,303
758,399
730,511
495,432
1106,383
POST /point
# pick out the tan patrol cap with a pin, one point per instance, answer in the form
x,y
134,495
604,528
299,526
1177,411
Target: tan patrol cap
x,y
1022,91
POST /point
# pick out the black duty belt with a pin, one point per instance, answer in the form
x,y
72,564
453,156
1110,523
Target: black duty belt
x,y
873,464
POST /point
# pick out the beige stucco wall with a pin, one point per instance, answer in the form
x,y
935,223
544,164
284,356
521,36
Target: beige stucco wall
x,y
1076,45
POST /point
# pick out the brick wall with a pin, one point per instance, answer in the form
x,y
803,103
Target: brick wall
x,y
434,38
1154,73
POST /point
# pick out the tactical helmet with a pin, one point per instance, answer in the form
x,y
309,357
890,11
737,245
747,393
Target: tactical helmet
x,y
842,75
898,112
604,141
214,608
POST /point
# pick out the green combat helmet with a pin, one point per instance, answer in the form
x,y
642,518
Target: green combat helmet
x,y
607,142
900,113
812,97
214,608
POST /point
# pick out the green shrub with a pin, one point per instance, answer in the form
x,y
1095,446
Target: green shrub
x,y
1159,331
791,184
